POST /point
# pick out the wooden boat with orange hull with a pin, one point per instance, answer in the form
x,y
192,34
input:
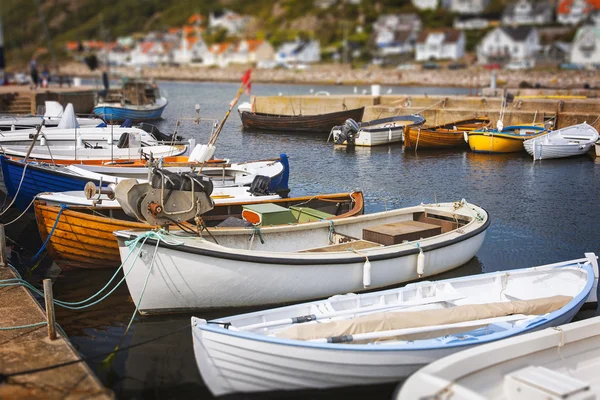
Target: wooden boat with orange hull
x,y
83,236
299,123
443,136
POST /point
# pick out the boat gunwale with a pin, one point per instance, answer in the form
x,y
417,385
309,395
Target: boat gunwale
x,y
307,258
576,302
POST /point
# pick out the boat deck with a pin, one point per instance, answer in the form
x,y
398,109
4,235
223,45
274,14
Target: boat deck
x,y
26,349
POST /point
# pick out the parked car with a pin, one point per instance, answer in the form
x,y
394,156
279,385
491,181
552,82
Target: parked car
x,y
457,65
406,67
431,65
572,66
492,66
517,65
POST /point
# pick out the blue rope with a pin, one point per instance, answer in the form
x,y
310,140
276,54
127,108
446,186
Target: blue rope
x,y
11,328
41,250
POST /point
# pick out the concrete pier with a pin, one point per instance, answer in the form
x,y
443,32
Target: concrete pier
x,y
440,109
30,348
22,100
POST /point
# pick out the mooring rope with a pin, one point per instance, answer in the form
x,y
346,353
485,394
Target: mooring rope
x,y
18,190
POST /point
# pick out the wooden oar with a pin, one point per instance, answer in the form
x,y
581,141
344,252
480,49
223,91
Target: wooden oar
x,y
411,331
359,310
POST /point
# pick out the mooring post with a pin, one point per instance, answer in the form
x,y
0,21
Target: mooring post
x,y
3,260
49,299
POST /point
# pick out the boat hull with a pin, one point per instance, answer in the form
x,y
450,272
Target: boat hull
x,y
488,143
260,280
540,151
299,123
379,137
136,114
234,360
84,238
442,138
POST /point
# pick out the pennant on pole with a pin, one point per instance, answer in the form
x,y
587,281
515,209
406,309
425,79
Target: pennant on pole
x,y
246,80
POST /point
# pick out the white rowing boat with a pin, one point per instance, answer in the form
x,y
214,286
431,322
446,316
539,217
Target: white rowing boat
x,y
294,262
556,363
385,336
571,141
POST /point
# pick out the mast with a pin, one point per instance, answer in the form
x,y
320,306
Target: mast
x,y
2,62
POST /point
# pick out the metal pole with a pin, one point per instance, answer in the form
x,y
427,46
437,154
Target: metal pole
x,y
51,318
3,260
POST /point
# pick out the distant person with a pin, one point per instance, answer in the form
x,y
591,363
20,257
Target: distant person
x,y
33,71
45,76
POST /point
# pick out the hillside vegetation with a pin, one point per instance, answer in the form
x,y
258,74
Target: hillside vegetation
x,y
275,20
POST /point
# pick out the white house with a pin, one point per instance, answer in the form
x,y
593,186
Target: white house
x,y
509,44
220,54
527,12
299,51
466,6
573,12
253,51
394,43
446,44
586,46
397,22
425,4
148,53
233,22
191,49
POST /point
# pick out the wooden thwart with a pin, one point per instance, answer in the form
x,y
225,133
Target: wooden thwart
x,y
397,232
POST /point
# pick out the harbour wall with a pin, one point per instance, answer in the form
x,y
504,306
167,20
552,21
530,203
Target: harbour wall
x,y
440,109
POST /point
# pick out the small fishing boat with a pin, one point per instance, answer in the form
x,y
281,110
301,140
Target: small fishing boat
x,y
84,231
51,118
299,123
24,181
506,140
555,363
138,100
366,251
442,136
384,336
571,141
376,132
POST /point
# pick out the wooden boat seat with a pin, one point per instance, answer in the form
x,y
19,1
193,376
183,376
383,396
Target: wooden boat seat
x,y
347,246
398,232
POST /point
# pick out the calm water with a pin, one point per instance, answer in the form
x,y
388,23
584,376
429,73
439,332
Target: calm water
x,y
541,212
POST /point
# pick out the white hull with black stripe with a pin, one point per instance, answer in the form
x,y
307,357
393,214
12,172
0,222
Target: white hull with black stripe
x,y
288,263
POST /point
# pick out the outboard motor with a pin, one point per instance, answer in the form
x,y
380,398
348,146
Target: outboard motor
x,y
346,133
157,134
260,185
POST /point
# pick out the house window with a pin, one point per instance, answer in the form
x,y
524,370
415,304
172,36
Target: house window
x,y
516,49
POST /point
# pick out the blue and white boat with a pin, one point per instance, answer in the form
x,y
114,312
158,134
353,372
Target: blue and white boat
x,y
385,336
138,100
26,180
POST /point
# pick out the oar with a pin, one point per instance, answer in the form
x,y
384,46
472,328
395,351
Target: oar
x,y
313,317
37,133
411,331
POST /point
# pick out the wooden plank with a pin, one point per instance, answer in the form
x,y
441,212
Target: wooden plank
x,y
347,246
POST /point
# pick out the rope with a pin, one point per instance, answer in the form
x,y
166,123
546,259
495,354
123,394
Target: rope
x,y
5,377
62,208
23,213
10,328
478,215
18,190
331,231
256,231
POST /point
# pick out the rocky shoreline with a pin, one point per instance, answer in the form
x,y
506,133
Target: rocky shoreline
x,y
333,74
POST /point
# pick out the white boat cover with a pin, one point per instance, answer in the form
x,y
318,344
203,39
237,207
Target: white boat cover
x,y
68,119
386,321
53,109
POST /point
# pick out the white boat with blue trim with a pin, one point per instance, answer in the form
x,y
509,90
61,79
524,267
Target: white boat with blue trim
x,y
555,363
385,336
270,264
575,140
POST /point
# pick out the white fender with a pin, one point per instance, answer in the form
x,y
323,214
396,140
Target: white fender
x,y
367,274
466,136
420,263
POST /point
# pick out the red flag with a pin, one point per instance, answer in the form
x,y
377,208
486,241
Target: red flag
x,y
246,80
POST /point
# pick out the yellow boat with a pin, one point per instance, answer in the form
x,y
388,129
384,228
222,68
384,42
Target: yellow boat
x,y
83,236
509,140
